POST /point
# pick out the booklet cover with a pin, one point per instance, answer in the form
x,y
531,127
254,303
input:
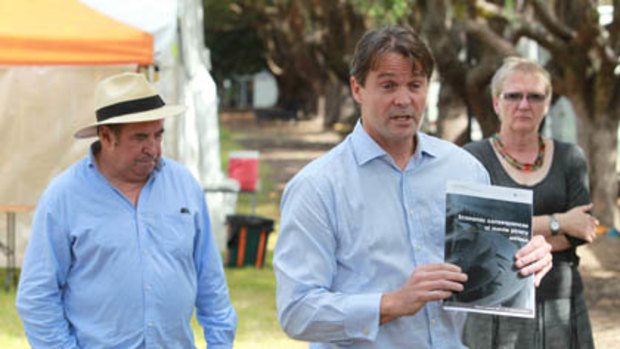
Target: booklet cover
x,y
485,227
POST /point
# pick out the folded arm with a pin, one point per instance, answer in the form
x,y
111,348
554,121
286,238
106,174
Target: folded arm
x,y
576,222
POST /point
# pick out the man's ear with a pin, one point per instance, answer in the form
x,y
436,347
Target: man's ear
x,y
356,89
106,136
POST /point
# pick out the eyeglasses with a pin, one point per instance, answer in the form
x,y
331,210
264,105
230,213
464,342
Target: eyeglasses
x,y
516,97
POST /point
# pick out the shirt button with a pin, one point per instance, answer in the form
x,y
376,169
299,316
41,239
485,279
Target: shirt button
x,y
150,324
418,247
365,332
148,288
433,321
411,211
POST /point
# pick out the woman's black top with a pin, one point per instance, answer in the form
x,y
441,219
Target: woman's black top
x,y
564,187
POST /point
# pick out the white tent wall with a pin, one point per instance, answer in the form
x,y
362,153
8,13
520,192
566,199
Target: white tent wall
x,y
200,144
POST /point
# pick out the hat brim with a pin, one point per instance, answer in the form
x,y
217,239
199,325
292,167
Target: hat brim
x,y
150,115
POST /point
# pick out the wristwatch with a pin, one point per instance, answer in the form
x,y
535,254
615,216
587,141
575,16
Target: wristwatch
x,y
554,225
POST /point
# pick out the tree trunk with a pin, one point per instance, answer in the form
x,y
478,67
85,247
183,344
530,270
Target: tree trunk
x,y
333,103
599,138
452,120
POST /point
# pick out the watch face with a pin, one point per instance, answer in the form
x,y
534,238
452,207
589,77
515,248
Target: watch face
x,y
554,225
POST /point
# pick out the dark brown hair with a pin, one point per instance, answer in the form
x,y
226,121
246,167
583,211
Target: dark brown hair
x,y
371,47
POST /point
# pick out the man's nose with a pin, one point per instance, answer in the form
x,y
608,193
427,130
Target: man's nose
x,y
402,97
150,145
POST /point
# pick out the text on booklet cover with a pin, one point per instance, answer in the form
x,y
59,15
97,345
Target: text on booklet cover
x,y
485,227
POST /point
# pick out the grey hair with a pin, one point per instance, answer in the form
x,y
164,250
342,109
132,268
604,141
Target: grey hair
x,y
522,65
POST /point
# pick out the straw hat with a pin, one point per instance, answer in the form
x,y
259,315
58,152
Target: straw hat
x,y
127,98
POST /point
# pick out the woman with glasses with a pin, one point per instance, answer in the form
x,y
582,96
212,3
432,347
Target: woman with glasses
x,y
518,156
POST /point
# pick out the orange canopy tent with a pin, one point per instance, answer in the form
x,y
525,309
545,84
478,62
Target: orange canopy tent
x,y
67,32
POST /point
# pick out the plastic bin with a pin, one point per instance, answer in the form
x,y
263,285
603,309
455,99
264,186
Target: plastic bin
x,y
243,166
247,240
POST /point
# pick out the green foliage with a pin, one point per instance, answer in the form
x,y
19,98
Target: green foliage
x,y
230,34
382,12
509,5
459,10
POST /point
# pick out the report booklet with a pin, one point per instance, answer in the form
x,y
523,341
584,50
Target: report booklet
x,y
485,227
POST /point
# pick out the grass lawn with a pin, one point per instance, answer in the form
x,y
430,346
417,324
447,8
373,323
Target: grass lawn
x,y
253,296
11,331
252,290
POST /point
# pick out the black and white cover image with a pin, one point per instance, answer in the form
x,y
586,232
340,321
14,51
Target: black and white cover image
x,y
485,227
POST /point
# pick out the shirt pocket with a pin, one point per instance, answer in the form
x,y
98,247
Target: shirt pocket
x,y
174,233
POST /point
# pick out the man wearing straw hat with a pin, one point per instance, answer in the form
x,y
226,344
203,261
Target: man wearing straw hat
x,y
121,250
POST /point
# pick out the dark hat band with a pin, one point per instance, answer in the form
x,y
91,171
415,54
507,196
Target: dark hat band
x,y
129,107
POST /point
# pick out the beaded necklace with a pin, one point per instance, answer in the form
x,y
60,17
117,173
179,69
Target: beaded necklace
x,y
525,167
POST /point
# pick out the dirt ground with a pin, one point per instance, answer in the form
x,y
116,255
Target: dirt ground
x,y
287,146
600,269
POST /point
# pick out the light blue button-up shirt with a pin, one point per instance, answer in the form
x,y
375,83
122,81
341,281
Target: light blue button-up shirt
x,y
355,226
100,272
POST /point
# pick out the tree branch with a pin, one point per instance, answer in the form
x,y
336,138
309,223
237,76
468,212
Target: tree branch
x,y
479,99
541,36
606,51
615,97
553,25
445,46
479,29
614,27
481,74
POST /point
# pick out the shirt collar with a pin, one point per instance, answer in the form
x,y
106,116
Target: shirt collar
x,y
366,149
424,148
